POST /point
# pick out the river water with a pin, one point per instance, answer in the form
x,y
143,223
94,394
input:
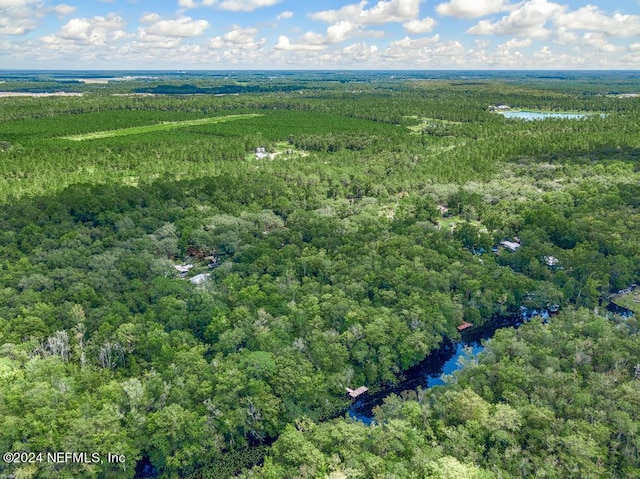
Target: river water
x,y
450,357
614,308
444,361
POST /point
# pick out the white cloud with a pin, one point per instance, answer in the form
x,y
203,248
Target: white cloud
x,y
215,43
315,56
414,50
351,12
472,8
359,52
284,15
336,33
19,17
63,9
385,11
240,36
245,5
420,26
243,38
19,20
78,28
237,45
231,5
539,19
407,43
157,41
89,31
598,41
577,36
591,18
285,44
351,19
565,37
15,27
150,18
16,3
516,43
182,27
546,58
528,20
339,32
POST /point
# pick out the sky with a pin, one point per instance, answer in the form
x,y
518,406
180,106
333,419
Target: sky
x,y
330,34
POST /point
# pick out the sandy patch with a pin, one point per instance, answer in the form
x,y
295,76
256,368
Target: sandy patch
x,y
97,81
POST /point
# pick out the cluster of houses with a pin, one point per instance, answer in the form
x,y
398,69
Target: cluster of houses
x,y
183,270
550,261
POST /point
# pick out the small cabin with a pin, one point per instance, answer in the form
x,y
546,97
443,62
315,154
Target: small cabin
x,y
199,278
354,393
464,326
510,245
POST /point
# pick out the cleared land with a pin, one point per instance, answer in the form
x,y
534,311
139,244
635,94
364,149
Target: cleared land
x,y
630,301
169,125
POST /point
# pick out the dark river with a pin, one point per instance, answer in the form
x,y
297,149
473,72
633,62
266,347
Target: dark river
x,y
443,361
429,373
447,359
614,308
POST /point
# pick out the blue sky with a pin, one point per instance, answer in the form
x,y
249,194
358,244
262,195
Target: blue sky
x,y
332,34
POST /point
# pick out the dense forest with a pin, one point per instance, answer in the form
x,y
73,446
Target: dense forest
x,y
192,280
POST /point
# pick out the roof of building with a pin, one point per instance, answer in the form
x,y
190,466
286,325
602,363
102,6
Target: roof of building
x,y
510,245
199,278
183,268
464,326
354,393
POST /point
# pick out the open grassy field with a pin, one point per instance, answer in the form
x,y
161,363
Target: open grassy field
x,y
630,301
449,222
132,144
168,125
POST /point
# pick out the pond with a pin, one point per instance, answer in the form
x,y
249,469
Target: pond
x,y
541,115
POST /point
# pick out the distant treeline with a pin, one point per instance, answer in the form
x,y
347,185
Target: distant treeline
x,y
186,89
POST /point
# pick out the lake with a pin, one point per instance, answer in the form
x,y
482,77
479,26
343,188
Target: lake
x,y
541,115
